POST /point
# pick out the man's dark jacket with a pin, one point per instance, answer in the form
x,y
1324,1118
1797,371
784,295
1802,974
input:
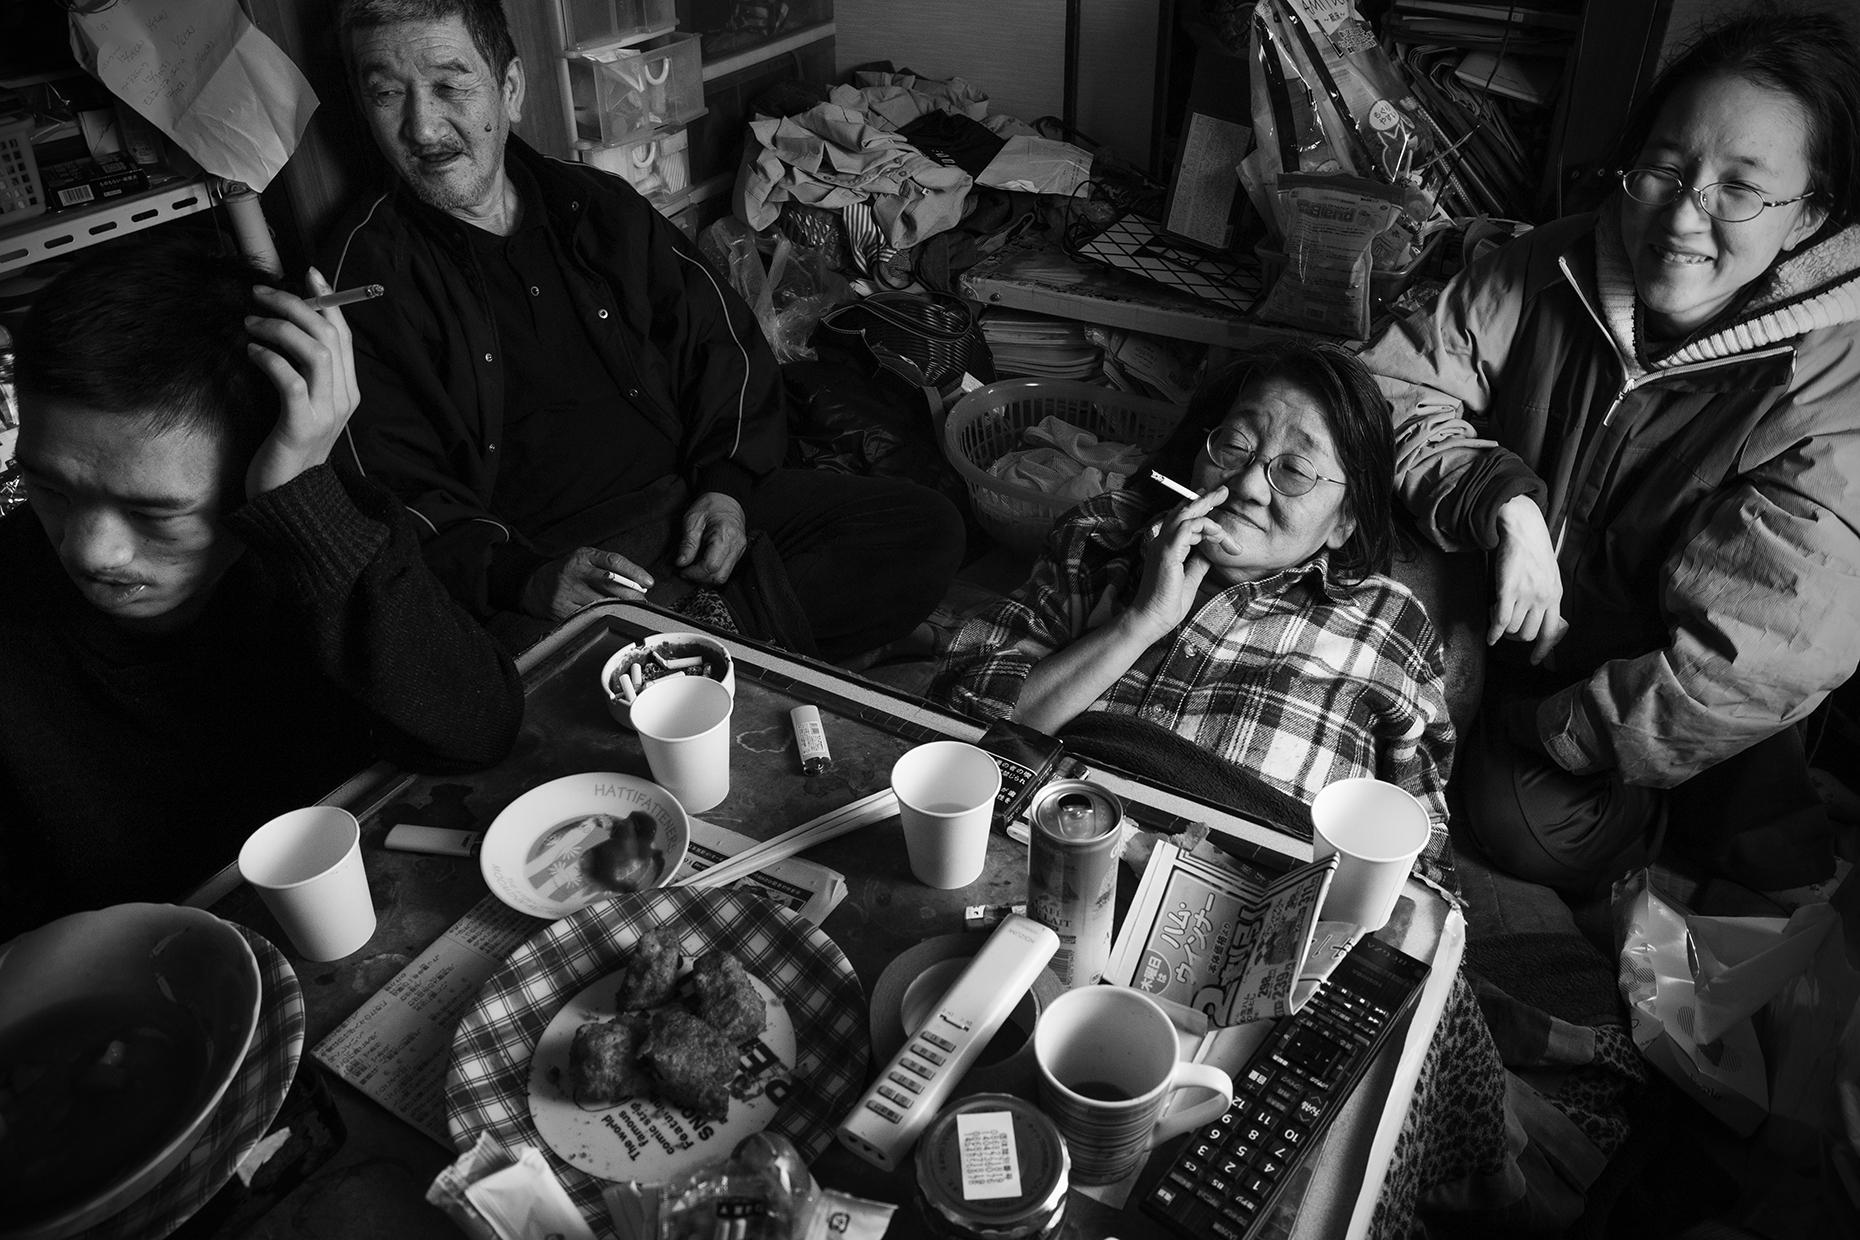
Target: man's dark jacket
x,y
433,379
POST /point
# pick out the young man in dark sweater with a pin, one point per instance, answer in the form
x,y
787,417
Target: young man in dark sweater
x,y
204,620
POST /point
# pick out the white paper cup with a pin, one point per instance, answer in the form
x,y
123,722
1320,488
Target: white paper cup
x,y
307,865
1376,830
684,726
1108,1060
946,798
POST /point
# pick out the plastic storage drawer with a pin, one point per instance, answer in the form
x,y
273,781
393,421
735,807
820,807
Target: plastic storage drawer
x,y
621,94
600,23
659,166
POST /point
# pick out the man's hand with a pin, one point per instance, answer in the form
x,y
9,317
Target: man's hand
x,y
568,583
309,357
716,535
1172,573
1527,605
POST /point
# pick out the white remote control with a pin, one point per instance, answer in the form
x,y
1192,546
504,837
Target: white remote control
x,y
912,1088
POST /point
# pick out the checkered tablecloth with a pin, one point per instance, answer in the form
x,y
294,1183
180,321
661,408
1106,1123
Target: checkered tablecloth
x,y
487,1082
244,1114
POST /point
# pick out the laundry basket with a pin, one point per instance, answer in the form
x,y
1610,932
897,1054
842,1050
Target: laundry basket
x,y
988,423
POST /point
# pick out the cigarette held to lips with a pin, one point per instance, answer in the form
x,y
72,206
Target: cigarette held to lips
x,y
1173,485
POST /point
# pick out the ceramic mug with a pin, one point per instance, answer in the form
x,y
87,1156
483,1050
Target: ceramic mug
x,y
1108,1067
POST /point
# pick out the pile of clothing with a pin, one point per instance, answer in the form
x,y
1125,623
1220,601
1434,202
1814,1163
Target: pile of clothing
x,y
897,156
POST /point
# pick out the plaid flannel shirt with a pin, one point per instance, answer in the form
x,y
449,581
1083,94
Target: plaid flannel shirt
x,y
1296,678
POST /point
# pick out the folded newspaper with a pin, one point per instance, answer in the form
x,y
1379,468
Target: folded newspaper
x,y
1207,937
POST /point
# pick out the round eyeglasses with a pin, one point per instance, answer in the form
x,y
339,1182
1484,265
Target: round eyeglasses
x,y
1288,473
1731,202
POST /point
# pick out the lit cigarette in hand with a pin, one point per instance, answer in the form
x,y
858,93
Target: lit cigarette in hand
x,y
628,582
1173,485
347,297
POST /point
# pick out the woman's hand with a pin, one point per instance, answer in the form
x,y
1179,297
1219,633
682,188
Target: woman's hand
x,y
308,355
1529,596
1172,573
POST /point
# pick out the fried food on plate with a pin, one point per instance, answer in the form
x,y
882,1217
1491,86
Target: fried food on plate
x,y
726,999
603,1062
650,972
692,1062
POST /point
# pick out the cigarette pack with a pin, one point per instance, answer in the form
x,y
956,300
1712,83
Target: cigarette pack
x,y
80,182
1027,758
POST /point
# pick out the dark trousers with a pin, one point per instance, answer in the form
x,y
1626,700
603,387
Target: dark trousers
x,y
1754,818
868,558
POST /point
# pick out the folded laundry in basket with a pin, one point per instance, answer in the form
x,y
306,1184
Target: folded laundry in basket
x,y
1068,462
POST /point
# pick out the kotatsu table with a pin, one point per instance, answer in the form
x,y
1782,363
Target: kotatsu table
x,y
376,1184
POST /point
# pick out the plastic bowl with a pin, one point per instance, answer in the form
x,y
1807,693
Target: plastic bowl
x,y
149,966
671,646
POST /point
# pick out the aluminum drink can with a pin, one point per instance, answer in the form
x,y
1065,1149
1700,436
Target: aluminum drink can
x,y
1072,874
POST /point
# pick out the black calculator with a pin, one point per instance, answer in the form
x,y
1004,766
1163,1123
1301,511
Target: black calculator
x,y
1228,1175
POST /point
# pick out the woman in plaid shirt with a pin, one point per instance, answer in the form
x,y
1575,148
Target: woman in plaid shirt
x,y
1255,621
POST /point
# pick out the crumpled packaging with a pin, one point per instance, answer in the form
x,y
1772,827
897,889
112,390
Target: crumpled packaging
x,y
494,1193
1700,988
761,1191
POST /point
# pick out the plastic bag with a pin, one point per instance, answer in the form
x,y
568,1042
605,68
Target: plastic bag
x,y
790,298
1746,1014
761,1191
494,1193
1332,224
1327,99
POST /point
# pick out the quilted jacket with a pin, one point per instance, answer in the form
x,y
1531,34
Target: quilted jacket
x,y
1705,504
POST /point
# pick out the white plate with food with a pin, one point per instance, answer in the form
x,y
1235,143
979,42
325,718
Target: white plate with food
x,y
488,1082
582,838
632,1082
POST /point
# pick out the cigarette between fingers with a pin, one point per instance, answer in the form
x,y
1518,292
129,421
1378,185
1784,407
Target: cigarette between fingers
x,y
628,582
1173,485
347,297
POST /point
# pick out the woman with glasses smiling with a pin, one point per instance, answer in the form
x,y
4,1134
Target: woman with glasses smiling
x,y
1253,621
1651,415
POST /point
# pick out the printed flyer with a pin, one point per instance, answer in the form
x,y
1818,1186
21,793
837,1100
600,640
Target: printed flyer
x,y
1209,938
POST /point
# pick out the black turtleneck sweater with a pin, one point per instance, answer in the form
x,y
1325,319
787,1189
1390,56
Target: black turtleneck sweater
x,y
132,767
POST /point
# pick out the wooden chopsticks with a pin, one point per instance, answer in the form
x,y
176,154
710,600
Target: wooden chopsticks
x,y
848,818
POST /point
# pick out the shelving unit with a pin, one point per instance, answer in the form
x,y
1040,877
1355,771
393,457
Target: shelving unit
x,y
725,65
65,232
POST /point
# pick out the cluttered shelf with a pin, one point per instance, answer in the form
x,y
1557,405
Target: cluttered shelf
x,y
65,232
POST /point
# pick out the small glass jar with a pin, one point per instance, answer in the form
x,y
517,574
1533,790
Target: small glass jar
x,y
1037,1212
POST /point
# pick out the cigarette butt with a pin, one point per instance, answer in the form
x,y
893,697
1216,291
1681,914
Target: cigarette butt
x,y
1173,485
982,916
347,297
626,690
628,582
681,665
637,677
658,658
